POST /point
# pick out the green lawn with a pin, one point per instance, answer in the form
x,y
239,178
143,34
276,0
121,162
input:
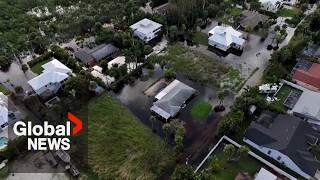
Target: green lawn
x,y
120,147
37,67
200,38
4,90
231,169
282,96
200,110
234,11
288,12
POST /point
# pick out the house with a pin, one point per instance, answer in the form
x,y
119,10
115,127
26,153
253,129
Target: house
x,y
286,139
224,38
304,104
264,174
165,8
307,74
312,51
146,30
251,19
271,5
171,99
92,56
8,114
51,79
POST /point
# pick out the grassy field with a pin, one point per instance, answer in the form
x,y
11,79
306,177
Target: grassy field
x,y
201,68
37,68
200,38
288,12
4,90
120,147
231,169
200,110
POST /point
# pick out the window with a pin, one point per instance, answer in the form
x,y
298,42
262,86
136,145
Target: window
x,y
269,152
278,158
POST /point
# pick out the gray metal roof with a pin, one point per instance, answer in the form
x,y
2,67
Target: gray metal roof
x,y
289,135
96,54
170,104
102,51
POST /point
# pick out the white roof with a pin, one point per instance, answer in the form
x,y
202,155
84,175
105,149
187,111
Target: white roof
x,y
226,35
56,66
47,78
3,108
97,68
145,26
308,104
265,175
167,89
121,60
273,2
54,72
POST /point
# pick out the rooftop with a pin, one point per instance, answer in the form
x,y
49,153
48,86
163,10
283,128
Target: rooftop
x,y
309,75
263,174
171,99
3,109
226,35
87,56
145,26
289,135
252,19
54,71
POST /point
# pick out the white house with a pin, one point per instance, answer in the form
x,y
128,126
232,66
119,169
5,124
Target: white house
x,y
271,5
264,174
146,30
223,38
3,110
52,77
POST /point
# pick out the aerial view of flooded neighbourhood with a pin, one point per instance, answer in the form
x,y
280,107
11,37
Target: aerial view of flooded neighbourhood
x,y
159,89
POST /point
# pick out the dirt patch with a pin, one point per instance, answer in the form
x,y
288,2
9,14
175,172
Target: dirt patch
x,y
156,87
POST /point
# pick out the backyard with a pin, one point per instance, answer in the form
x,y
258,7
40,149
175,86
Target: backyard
x,y
4,90
121,146
201,110
231,169
282,96
37,67
284,12
200,68
200,38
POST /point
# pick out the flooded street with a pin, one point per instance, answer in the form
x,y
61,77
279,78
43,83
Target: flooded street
x,y
199,135
16,77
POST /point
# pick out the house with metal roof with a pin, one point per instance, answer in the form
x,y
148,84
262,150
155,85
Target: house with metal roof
x,y
225,37
92,56
287,140
146,30
172,99
306,104
52,77
252,19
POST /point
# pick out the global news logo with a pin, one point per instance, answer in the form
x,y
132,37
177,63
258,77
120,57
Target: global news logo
x,y
47,136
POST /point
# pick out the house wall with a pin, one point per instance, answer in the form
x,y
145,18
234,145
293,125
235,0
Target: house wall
x,y
217,45
274,154
53,87
308,86
147,37
268,6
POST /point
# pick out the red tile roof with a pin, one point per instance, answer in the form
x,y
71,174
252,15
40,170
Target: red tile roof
x,y
311,77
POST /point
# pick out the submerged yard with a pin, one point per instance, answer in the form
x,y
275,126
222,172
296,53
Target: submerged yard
x,y
200,110
121,146
201,68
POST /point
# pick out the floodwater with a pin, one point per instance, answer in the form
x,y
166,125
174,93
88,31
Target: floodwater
x,y
199,135
16,77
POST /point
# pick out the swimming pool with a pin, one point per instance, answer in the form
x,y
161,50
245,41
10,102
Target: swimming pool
x,y
3,142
